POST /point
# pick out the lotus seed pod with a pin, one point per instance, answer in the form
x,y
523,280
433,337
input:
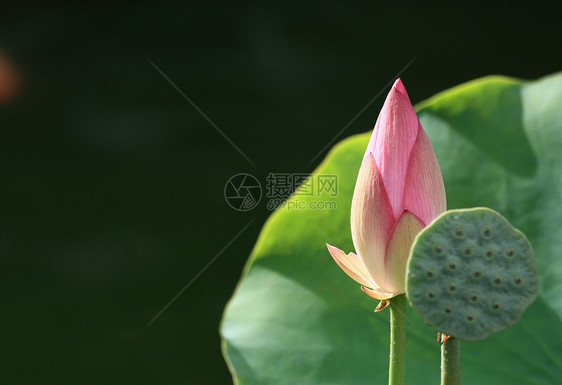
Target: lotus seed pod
x,y
471,274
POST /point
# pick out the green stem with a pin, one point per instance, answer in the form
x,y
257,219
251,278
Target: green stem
x,y
451,362
397,365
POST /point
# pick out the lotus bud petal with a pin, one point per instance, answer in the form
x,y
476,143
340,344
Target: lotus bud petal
x,y
399,190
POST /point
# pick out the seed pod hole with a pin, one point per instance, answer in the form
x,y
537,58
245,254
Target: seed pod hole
x,y
518,280
453,265
473,297
429,274
452,287
509,252
497,281
431,294
476,274
486,232
438,249
471,317
448,310
459,232
467,250
496,305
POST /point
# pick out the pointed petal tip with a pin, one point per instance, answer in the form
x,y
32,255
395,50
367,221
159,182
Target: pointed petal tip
x,y
369,155
408,212
399,86
334,251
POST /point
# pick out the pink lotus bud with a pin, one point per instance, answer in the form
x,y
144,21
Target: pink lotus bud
x,y
399,191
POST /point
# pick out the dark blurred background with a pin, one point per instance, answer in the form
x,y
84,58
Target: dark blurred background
x,y
112,182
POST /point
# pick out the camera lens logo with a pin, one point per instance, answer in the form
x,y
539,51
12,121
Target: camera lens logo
x,y
242,192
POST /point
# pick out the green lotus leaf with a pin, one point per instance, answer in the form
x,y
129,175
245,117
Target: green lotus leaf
x,y
296,318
